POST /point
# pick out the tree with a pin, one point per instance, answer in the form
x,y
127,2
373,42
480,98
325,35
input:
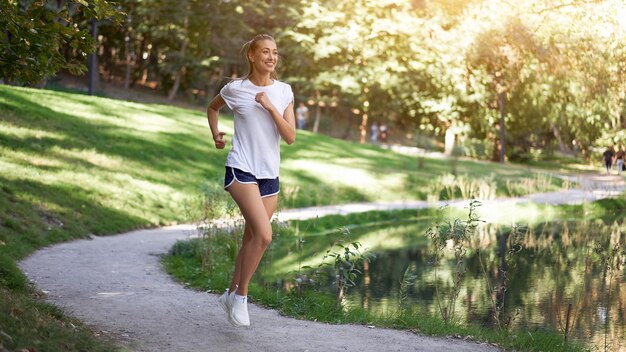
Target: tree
x,y
360,53
498,57
36,32
189,46
586,71
561,77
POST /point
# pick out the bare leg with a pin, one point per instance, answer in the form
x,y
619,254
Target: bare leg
x,y
247,235
257,233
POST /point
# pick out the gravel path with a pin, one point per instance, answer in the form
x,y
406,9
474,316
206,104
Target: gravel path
x,y
117,285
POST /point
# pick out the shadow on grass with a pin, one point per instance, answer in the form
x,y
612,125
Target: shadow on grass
x,y
162,152
34,214
310,189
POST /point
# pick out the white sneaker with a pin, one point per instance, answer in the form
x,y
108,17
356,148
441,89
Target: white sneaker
x,y
225,302
239,311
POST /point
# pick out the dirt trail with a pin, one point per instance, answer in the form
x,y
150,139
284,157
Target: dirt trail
x,y
117,285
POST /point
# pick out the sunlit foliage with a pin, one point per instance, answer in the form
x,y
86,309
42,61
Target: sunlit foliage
x,y
435,67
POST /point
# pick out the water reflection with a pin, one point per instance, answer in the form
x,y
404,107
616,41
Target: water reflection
x,y
560,263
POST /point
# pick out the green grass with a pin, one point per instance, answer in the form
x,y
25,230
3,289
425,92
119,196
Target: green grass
x,y
27,324
72,165
185,263
313,305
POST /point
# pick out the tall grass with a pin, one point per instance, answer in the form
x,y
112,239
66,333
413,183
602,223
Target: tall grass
x,y
454,235
449,186
612,257
509,245
537,183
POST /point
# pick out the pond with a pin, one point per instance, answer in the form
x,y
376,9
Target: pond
x,y
558,264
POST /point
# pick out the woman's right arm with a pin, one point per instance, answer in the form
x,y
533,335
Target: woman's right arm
x,y
212,114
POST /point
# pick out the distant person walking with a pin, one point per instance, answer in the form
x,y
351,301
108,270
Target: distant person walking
x,y
608,155
263,114
374,133
384,130
302,116
619,160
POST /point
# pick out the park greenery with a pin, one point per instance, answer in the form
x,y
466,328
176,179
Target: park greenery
x,y
493,80
289,277
503,79
43,37
73,166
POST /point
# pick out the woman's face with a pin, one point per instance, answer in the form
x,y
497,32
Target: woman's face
x,y
264,57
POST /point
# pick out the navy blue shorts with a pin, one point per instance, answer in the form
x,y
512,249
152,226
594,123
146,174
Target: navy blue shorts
x,y
267,186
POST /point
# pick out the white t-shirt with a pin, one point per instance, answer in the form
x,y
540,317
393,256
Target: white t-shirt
x,y
256,142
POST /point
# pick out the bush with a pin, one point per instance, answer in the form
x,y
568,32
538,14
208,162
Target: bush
x,y
476,148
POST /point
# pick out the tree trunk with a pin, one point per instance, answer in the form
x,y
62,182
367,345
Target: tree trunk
x,y
107,60
363,128
179,75
449,142
557,134
493,137
93,59
501,103
141,72
214,83
153,63
128,63
183,69
318,114
341,288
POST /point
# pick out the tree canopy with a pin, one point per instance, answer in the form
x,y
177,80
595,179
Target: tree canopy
x,y
42,37
546,75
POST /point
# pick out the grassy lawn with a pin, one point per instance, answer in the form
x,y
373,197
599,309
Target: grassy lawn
x,y
73,165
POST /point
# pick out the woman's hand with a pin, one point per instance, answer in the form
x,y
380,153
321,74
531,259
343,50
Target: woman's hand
x,y
219,140
285,123
265,102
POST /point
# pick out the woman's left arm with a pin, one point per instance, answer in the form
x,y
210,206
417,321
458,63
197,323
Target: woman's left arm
x,y
286,123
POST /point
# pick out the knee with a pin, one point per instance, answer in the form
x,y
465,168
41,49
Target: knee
x,y
266,240
263,237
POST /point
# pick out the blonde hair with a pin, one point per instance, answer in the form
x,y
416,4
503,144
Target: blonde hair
x,y
250,46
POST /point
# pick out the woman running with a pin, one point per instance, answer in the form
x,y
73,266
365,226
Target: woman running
x,y
263,113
